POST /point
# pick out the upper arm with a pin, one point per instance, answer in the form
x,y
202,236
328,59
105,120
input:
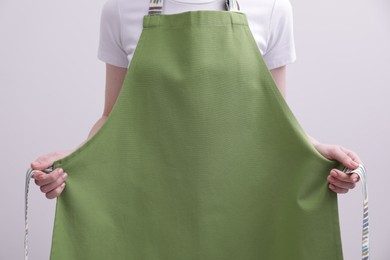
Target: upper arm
x,y
111,49
111,52
280,48
114,81
279,76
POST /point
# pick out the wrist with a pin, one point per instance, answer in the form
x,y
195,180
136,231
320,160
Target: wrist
x,y
314,142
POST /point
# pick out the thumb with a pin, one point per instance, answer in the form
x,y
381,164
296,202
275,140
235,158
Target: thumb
x,y
41,164
345,159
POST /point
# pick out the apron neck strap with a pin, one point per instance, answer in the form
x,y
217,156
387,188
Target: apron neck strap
x,y
155,6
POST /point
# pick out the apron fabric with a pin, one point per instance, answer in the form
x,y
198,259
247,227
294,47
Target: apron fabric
x,y
200,158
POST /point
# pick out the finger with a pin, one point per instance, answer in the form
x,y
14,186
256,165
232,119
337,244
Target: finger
x,y
337,189
341,184
36,181
56,192
44,178
340,175
355,177
339,155
51,186
36,175
351,154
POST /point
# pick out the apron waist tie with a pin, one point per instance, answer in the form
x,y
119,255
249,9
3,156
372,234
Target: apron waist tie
x,y
29,174
361,171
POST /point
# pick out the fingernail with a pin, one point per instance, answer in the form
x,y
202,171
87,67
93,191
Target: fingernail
x,y
334,173
37,163
331,186
64,176
355,179
61,170
355,163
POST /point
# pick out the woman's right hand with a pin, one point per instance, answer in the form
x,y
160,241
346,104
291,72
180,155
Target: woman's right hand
x,y
53,183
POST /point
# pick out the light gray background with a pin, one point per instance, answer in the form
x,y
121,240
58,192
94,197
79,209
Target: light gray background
x,y
52,92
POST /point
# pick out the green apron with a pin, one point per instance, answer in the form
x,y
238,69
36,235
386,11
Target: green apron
x,y
201,158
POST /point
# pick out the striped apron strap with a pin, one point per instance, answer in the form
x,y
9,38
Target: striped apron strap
x,y
361,171
155,6
29,174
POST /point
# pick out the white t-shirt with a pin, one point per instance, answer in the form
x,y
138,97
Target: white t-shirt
x,y
270,21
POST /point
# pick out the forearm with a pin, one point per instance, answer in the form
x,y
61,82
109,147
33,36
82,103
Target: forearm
x,y
94,129
279,76
313,140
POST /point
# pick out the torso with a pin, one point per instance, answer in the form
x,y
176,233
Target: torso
x,y
131,13
258,13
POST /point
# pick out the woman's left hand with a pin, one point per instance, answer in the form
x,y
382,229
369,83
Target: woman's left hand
x,y
339,181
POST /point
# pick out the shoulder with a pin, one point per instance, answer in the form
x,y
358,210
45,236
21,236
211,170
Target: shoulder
x,y
270,6
282,5
110,9
282,10
267,13
272,23
110,21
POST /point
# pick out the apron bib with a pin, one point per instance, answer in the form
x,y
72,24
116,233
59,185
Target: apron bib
x,y
200,158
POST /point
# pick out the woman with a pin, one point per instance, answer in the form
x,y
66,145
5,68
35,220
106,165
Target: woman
x,y
121,22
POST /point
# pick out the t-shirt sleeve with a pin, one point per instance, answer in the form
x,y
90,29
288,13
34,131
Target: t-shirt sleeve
x,y
110,48
280,49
